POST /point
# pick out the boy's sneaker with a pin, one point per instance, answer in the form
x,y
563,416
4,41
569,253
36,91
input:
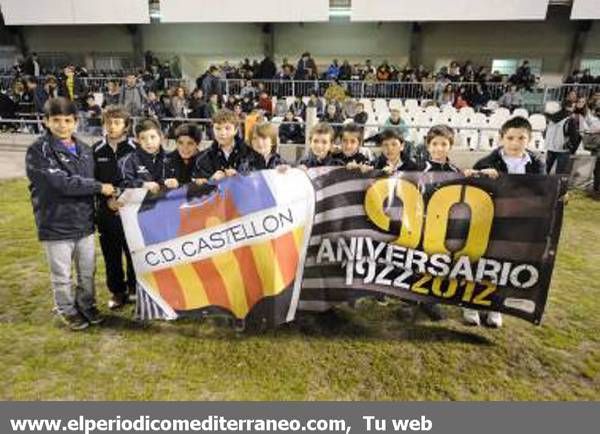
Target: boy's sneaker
x,y
433,311
75,321
117,301
93,316
494,320
471,317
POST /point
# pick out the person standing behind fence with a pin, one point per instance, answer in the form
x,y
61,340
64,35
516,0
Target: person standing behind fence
x,y
210,82
562,138
133,96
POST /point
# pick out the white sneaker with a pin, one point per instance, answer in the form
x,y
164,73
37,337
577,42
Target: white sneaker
x,y
494,319
471,317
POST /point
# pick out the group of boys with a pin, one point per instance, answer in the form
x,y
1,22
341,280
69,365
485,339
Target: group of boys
x,y
74,187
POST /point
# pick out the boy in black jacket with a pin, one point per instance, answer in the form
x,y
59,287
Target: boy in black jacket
x,y
228,154
511,157
145,167
265,141
350,155
439,141
107,152
62,186
321,141
392,159
180,163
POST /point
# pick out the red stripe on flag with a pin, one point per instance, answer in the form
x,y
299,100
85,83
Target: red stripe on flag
x,y
252,282
170,289
212,282
287,256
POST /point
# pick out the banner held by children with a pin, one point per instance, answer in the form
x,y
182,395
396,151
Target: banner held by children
x,y
434,237
236,246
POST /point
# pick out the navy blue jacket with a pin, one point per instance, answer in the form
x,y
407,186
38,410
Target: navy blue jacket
x,y
139,167
62,188
242,158
407,164
274,161
434,166
311,160
358,157
176,168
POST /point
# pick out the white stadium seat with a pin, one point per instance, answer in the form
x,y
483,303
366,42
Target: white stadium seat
x,y
538,123
396,104
521,112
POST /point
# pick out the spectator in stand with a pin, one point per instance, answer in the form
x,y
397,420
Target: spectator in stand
x,y
454,71
333,71
384,72
265,104
523,76
248,90
316,102
267,69
231,102
461,98
133,96
112,94
197,105
335,92
280,108
35,94
512,99
396,122
368,70
291,131
155,108
349,108
571,96
478,97
333,116
299,108
345,71
446,98
71,87
31,66
213,105
179,103
306,67
361,117
210,82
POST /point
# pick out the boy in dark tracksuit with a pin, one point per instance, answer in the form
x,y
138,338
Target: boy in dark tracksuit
x,y
350,155
392,159
228,154
264,140
439,141
144,168
107,153
180,163
321,141
513,158
62,186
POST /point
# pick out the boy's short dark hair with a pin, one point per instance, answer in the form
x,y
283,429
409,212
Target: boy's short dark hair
x,y
147,124
225,116
322,128
353,128
190,130
516,122
116,112
390,133
59,106
440,131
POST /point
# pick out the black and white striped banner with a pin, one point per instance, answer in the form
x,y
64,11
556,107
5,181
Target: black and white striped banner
x,y
435,237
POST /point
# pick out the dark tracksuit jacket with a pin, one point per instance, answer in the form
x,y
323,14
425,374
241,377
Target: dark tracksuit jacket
x,y
112,237
176,167
358,157
434,166
139,167
62,188
311,160
242,158
407,164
